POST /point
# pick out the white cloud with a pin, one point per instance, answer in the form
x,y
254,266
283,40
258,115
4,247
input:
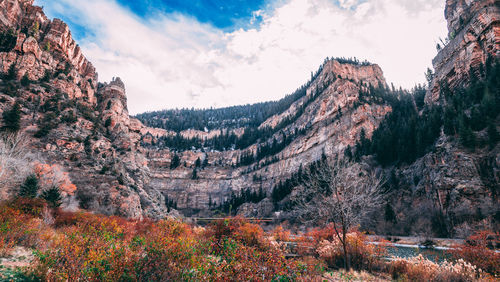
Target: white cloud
x,y
174,61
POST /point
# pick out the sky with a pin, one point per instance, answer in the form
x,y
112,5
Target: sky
x,y
217,53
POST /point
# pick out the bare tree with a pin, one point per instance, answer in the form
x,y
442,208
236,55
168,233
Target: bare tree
x,y
341,193
15,161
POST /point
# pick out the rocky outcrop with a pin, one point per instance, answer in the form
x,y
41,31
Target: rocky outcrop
x,y
74,122
452,186
474,35
333,121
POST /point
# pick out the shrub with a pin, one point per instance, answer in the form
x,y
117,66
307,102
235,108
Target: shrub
x,y
8,41
11,73
87,247
29,189
69,118
52,196
19,224
420,269
28,206
12,118
362,255
25,80
479,250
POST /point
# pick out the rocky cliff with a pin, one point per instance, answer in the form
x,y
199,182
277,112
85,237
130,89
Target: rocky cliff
x,y
332,121
72,120
474,35
453,186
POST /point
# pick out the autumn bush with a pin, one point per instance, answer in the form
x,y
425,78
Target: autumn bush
x,y
362,255
420,269
80,246
480,250
18,224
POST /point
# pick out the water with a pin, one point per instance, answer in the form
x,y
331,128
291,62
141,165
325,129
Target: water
x,y
437,254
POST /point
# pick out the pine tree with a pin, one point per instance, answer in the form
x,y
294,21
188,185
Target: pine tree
x,y
195,174
12,117
11,73
467,137
390,215
493,135
25,81
52,196
348,152
29,189
176,161
197,163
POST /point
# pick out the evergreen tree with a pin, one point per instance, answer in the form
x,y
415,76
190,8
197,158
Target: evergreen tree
x,y
493,136
390,215
52,196
467,137
29,189
176,161
348,152
11,73
12,117
195,174
197,163
25,81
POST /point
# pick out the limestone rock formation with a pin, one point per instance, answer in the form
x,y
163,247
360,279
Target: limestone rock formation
x,y
333,121
474,35
65,110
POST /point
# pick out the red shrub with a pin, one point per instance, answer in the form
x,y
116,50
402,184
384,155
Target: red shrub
x,y
479,251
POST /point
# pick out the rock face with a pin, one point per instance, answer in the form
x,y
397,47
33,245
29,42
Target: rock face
x,y
474,32
79,124
333,121
452,182
85,127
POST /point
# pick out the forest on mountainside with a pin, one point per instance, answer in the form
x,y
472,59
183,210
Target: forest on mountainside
x,y
244,116
412,128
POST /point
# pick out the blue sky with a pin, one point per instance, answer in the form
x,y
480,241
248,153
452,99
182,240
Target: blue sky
x,y
215,53
223,14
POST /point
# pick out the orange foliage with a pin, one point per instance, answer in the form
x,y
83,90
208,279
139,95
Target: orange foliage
x,y
89,247
18,224
362,255
280,234
420,269
479,250
53,175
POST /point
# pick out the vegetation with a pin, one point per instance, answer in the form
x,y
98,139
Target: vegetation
x,y
236,200
248,117
30,187
12,118
52,196
88,247
8,40
341,195
176,162
412,128
230,118
480,250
